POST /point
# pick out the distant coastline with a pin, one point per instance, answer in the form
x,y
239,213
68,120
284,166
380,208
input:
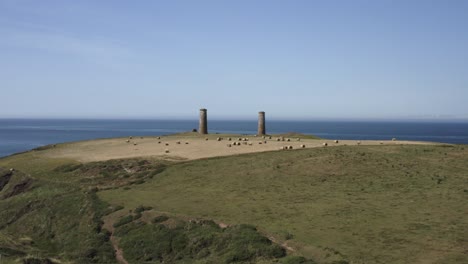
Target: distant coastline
x,y
17,135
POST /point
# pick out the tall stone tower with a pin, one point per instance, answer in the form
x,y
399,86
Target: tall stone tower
x,y
261,123
203,124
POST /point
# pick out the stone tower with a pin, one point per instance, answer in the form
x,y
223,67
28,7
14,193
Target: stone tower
x,y
261,123
203,127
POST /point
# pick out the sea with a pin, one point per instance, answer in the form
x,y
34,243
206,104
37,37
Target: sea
x,y
19,135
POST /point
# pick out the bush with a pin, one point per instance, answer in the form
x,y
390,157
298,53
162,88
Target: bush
x,y
37,261
123,230
137,182
244,241
10,252
154,242
274,251
104,236
239,254
142,208
159,219
123,221
178,242
203,240
296,260
137,216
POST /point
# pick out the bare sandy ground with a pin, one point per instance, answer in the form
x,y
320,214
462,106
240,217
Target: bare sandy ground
x,y
189,148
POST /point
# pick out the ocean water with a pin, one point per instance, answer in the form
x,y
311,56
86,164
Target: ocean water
x,y
17,135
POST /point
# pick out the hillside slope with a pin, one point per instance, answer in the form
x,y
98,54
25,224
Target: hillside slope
x,y
357,204
367,204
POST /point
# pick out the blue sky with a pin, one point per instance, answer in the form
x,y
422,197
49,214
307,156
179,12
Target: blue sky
x,y
292,59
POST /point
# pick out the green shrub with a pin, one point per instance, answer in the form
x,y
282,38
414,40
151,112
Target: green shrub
x,y
296,260
273,251
142,208
137,216
104,236
37,261
159,219
123,230
195,240
152,242
123,221
138,182
238,254
10,252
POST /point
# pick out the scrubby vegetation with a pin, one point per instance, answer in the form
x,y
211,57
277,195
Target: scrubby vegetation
x,y
58,221
160,219
191,241
63,219
113,173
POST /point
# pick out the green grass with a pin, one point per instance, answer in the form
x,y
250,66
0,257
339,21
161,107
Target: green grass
x,y
60,216
362,204
367,204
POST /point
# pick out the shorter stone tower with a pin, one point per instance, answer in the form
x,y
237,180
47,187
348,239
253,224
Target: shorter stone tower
x,y
203,124
261,123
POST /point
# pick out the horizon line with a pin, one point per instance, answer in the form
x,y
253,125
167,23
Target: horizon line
x,y
219,118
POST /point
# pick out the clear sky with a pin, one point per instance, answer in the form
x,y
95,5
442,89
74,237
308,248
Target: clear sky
x,y
292,59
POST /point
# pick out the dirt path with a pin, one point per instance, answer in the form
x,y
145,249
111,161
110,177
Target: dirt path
x,y
109,225
118,251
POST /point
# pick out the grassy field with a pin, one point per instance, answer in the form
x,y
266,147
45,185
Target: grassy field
x,y
368,204
355,204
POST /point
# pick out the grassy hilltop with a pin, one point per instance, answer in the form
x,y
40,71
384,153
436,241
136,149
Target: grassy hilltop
x,y
382,203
